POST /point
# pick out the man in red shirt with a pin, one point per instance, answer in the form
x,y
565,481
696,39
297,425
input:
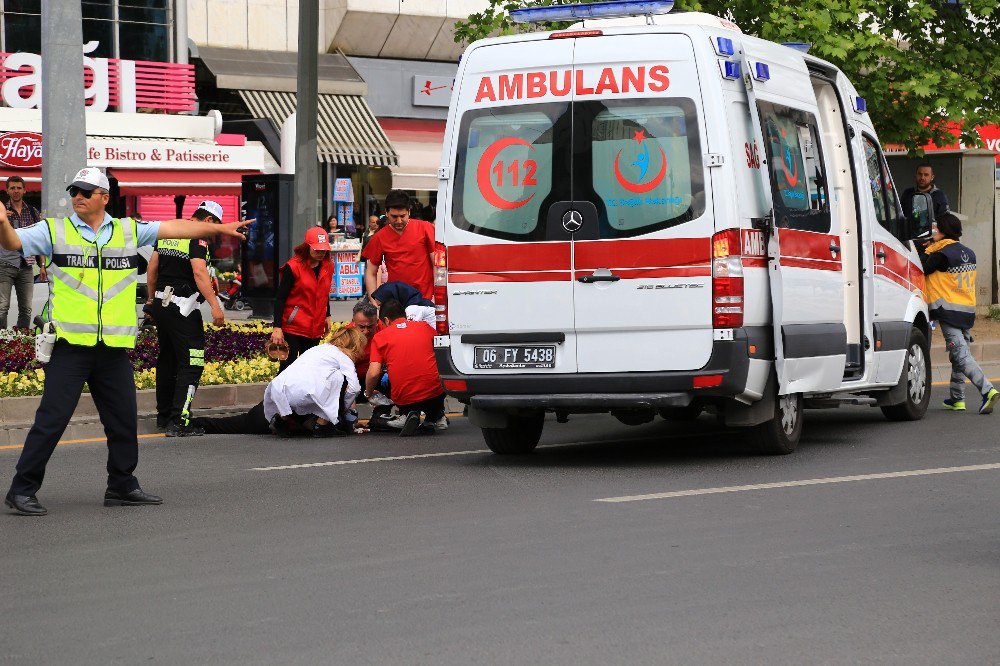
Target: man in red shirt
x,y
407,349
405,245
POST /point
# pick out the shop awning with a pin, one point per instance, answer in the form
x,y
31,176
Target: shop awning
x,y
418,143
346,132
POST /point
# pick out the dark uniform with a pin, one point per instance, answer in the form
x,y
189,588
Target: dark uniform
x,y
182,338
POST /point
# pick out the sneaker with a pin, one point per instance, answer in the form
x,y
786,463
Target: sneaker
x,y
180,430
397,421
327,430
441,423
954,405
411,425
989,400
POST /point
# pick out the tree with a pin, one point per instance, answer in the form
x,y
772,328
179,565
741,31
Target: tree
x,y
922,65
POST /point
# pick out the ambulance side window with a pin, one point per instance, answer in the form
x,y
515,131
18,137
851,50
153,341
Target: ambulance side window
x,y
882,191
504,169
798,175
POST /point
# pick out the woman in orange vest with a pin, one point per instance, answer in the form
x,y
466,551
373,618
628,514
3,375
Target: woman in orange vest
x,y
302,308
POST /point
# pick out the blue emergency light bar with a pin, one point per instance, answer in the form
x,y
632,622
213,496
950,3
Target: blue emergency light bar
x,y
590,11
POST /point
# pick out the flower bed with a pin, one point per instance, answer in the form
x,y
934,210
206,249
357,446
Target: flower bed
x,y
233,355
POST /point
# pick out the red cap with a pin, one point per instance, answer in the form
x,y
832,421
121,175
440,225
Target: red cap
x,y
318,239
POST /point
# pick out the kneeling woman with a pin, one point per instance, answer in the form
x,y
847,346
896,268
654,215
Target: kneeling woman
x,y
319,387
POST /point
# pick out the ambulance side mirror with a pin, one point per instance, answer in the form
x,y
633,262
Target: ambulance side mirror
x,y
919,224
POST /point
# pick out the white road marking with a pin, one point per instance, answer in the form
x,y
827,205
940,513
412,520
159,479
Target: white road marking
x,y
794,484
357,461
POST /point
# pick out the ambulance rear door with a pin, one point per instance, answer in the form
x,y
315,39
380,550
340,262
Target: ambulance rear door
x,y
642,284
804,249
510,287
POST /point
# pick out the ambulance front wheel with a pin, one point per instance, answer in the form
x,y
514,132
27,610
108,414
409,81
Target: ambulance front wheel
x,y
519,437
780,435
916,376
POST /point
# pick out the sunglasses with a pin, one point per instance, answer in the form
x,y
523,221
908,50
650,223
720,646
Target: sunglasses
x,y
86,194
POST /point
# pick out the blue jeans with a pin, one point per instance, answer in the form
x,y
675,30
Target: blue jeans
x,y
23,282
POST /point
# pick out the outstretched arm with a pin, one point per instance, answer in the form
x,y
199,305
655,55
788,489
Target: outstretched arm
x,y
195,229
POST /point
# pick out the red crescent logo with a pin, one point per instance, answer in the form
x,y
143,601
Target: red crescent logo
x,y
485,166
641,188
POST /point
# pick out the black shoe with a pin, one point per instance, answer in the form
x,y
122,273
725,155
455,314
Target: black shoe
x,y
411,425
280,427
137,497
327,430
162,422
25,505
176,429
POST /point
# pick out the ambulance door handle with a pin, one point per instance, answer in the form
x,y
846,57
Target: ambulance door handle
x,y
590,279
880,254
834,248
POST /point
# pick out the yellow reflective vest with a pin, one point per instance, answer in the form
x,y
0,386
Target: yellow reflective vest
x,y
951,289
93,286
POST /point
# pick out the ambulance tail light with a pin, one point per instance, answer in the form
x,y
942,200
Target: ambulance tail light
x,y
440,261
727,280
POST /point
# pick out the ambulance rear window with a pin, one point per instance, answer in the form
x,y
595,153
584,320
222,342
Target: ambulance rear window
x,y
645,166
504,169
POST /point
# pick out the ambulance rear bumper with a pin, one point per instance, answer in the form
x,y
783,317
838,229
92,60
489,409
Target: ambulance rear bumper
x,y
725,375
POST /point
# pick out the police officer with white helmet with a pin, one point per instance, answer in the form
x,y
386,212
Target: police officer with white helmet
x,y
92,276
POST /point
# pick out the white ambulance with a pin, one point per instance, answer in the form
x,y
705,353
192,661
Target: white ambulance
x,y
657,214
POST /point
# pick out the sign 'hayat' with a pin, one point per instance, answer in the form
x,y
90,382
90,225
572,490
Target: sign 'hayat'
x,y
21,150
125,85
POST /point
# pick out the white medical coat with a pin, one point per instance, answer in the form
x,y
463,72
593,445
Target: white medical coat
x,y
312,384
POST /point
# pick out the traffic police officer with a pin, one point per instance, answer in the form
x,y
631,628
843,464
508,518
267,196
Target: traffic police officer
x,y
92,280
178,282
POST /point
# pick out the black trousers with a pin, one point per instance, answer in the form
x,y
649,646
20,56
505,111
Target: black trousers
x,y
433,408
296,345
180,362
108,372
251,423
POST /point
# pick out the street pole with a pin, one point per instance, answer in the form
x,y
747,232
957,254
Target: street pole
x,y
306,161
64,129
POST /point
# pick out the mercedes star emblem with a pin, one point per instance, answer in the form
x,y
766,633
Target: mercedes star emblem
x,y
572,221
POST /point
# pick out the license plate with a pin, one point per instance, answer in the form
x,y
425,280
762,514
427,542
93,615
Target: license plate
x,y
504,357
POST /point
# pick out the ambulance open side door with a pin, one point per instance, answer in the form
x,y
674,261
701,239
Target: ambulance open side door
x,y
804,256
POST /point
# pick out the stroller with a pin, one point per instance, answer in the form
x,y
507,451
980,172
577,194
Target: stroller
x,y
233,298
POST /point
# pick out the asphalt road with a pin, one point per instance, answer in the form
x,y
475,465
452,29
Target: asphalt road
x,y
434,551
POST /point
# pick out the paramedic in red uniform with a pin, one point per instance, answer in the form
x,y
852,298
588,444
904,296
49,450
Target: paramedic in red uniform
x,y
405,244
302,308
406,348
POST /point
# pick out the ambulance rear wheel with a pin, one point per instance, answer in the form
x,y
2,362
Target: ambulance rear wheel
x,y
519,437
780,435
917,377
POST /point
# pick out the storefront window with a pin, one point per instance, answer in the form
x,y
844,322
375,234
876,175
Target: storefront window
x,y
126,29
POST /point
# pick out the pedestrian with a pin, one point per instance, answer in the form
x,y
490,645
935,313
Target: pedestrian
x,y
406,245
178,282
406,348
302,307
924,178
364,317
92,271
15,268
950,268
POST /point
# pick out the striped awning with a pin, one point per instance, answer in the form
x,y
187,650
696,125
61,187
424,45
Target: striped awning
x,y
346,129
